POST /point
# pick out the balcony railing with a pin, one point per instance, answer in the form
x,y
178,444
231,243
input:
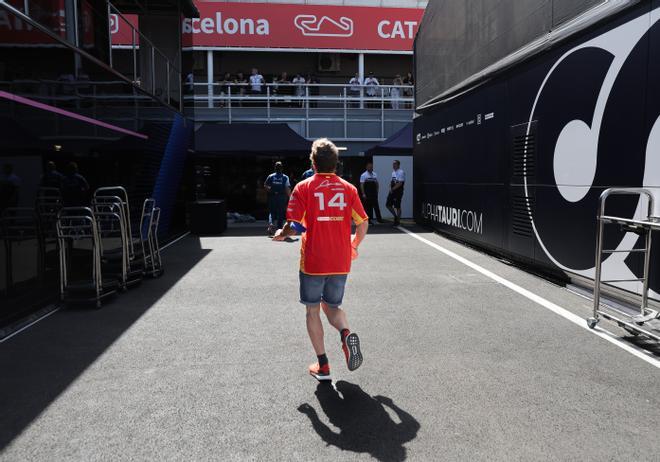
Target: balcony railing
x,y
304,103
150,68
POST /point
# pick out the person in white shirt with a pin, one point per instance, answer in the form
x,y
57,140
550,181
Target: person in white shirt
x,y
355,89
395,92
372,85
299,82
256,81
369,193
393,203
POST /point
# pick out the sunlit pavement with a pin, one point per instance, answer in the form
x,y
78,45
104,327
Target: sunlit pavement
x,y
209,362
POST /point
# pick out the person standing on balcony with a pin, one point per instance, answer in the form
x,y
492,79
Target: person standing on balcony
x,y
299,82
393,203
369,190
278,187
323,208
395,92
354,89
373,89
256,82
313,85
241,87
409,82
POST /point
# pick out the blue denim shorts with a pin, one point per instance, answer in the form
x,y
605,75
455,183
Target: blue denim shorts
x,y
314,289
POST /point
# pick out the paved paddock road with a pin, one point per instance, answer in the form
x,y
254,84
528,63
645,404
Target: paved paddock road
x,y
209,363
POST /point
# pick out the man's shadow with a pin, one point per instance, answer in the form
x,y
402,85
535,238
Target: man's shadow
x,y
364,424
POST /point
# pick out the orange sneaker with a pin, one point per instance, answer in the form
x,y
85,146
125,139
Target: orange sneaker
x,y
320,372
351,347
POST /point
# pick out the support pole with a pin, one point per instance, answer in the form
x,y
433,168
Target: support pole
x,y
209,77
361,76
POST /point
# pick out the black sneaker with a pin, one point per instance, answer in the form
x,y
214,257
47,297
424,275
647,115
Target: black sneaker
x,y
351,347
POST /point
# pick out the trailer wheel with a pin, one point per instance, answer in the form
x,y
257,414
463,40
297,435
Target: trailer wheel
x,y
591,322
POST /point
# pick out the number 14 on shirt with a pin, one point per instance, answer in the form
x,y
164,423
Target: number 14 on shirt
x,y
337,201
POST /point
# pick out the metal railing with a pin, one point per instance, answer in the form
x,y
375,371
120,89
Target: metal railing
x,y
151,69
277,102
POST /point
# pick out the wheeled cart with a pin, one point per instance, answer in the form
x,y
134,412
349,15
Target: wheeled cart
x,y
78,225
645,321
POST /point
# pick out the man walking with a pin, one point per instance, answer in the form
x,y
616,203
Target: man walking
x,y
279,189
322,207
369,190
395,195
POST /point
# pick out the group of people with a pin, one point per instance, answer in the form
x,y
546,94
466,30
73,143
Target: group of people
x,y
370,87
278,187
255,84
72,186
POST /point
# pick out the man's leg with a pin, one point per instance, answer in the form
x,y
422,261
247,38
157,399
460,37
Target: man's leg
x,y
390,205
368,209
333,294
315,329
281,211
311,289
374,201
336,317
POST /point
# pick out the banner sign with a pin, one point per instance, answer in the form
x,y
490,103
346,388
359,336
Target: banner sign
x,y
260,25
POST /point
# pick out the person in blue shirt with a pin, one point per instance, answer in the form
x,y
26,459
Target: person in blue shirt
x,y
307,173
279,189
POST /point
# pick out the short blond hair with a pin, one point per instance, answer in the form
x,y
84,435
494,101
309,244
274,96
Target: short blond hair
x,y
324,155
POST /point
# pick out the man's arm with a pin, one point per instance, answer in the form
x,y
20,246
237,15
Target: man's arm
x,y
287,231
362,188
360,233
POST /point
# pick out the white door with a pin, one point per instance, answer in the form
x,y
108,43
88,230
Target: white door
x,y
383,168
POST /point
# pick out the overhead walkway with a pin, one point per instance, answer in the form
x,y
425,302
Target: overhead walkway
x,y
466,358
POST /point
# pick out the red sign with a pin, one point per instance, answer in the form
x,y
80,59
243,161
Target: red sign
x,y
260,25
301,26
121,31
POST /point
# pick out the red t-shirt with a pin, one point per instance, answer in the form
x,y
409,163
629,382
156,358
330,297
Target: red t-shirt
x,y
325,205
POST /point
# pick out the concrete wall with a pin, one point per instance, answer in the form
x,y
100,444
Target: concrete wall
x,y
458,38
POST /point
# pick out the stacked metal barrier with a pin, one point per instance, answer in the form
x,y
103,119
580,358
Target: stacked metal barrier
x,y
645,320
102,235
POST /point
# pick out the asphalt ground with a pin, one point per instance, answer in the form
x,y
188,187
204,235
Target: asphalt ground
x,y
209,363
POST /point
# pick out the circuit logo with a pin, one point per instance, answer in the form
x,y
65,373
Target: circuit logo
x,y
312,26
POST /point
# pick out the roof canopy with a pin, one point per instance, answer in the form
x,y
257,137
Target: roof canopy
x,y
400,143
277,140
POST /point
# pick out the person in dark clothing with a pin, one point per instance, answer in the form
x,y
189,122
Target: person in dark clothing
x,y
369,193
10,185
75,188
51,177
279,189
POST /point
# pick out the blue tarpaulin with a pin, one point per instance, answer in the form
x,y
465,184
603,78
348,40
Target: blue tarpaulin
x,y
278,140
400,143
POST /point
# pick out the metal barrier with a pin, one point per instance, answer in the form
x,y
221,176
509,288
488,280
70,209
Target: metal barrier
x,y
113,224
80,224
305,103
149,238
645,321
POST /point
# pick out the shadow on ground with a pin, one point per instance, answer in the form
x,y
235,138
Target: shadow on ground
x,y
259,229
364,426
40,363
